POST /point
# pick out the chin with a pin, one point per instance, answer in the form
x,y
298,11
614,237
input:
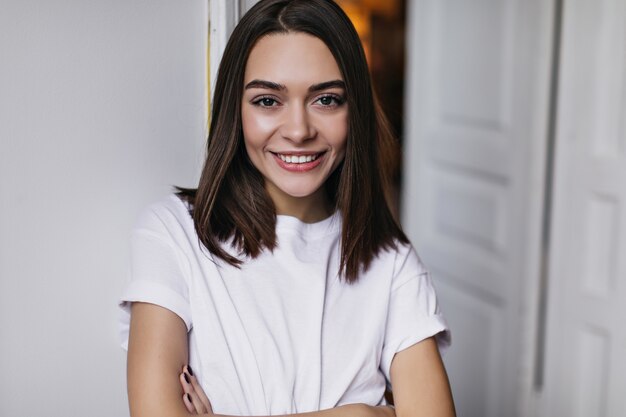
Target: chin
x,y
299,191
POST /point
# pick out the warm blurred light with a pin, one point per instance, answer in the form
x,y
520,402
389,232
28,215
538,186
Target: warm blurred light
x,y
360,17
360,13
388,8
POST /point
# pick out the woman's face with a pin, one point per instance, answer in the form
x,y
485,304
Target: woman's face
x,y
294,114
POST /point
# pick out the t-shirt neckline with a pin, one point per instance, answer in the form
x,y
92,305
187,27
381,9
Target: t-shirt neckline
x,y
328,225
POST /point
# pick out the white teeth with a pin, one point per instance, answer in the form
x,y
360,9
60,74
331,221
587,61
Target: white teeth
x,y
294,159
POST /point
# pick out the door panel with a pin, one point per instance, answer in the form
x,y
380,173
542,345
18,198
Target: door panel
x,y
477,319
586,334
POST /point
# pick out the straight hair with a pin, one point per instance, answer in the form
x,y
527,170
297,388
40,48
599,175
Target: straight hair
x,y
231,202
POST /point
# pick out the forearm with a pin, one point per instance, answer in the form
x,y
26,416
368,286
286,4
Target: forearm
x,y
348,410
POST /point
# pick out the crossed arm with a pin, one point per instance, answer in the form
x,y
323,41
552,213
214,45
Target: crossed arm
x,y
158,351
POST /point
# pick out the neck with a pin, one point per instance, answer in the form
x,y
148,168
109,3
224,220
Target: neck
x,y
309,209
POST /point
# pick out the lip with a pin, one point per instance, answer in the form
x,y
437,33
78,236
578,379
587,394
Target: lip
x,y
303,167
298,153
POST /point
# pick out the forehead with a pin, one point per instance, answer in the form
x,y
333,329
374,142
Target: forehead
x,y
291,58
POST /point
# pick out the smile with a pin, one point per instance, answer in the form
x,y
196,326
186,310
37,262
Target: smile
x,y
298,159
299,163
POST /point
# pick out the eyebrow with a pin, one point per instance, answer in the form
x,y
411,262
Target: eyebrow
x,y
280,87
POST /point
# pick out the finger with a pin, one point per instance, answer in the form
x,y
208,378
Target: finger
x,y
198,390
197,404
191,395
189,403
185,382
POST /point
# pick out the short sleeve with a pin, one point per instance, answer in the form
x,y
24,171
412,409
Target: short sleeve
x,y
413,312
156,273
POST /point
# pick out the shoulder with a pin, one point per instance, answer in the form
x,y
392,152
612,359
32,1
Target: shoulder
x,y
407,264
398,260
164,216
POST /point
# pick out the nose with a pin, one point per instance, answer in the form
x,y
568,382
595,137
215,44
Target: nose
x,y
296,125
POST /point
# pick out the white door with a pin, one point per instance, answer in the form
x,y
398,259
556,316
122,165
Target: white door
x,y
223,17
586,374
477,107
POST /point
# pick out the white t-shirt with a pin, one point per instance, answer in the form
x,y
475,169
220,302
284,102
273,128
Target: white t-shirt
x,y
282,334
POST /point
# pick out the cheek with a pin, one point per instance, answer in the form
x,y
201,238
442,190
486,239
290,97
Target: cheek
x,y
252,138
257,128
339,134
248,124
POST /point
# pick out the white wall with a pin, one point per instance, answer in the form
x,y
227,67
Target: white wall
x,y
102,108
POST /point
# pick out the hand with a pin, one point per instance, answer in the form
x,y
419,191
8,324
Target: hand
x,y
194,397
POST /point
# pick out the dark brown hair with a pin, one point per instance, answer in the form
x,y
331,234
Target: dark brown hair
x,y
231,202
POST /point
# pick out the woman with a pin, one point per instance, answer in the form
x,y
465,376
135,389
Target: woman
x,y
283,280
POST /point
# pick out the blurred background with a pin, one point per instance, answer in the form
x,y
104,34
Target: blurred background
x,y
511,115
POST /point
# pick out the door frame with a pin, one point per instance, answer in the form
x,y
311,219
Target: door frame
x,y
223,17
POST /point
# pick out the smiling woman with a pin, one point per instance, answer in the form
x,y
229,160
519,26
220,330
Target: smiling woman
x,y
283,279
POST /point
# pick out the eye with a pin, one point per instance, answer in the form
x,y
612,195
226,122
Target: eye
x,y
265,102
330,100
